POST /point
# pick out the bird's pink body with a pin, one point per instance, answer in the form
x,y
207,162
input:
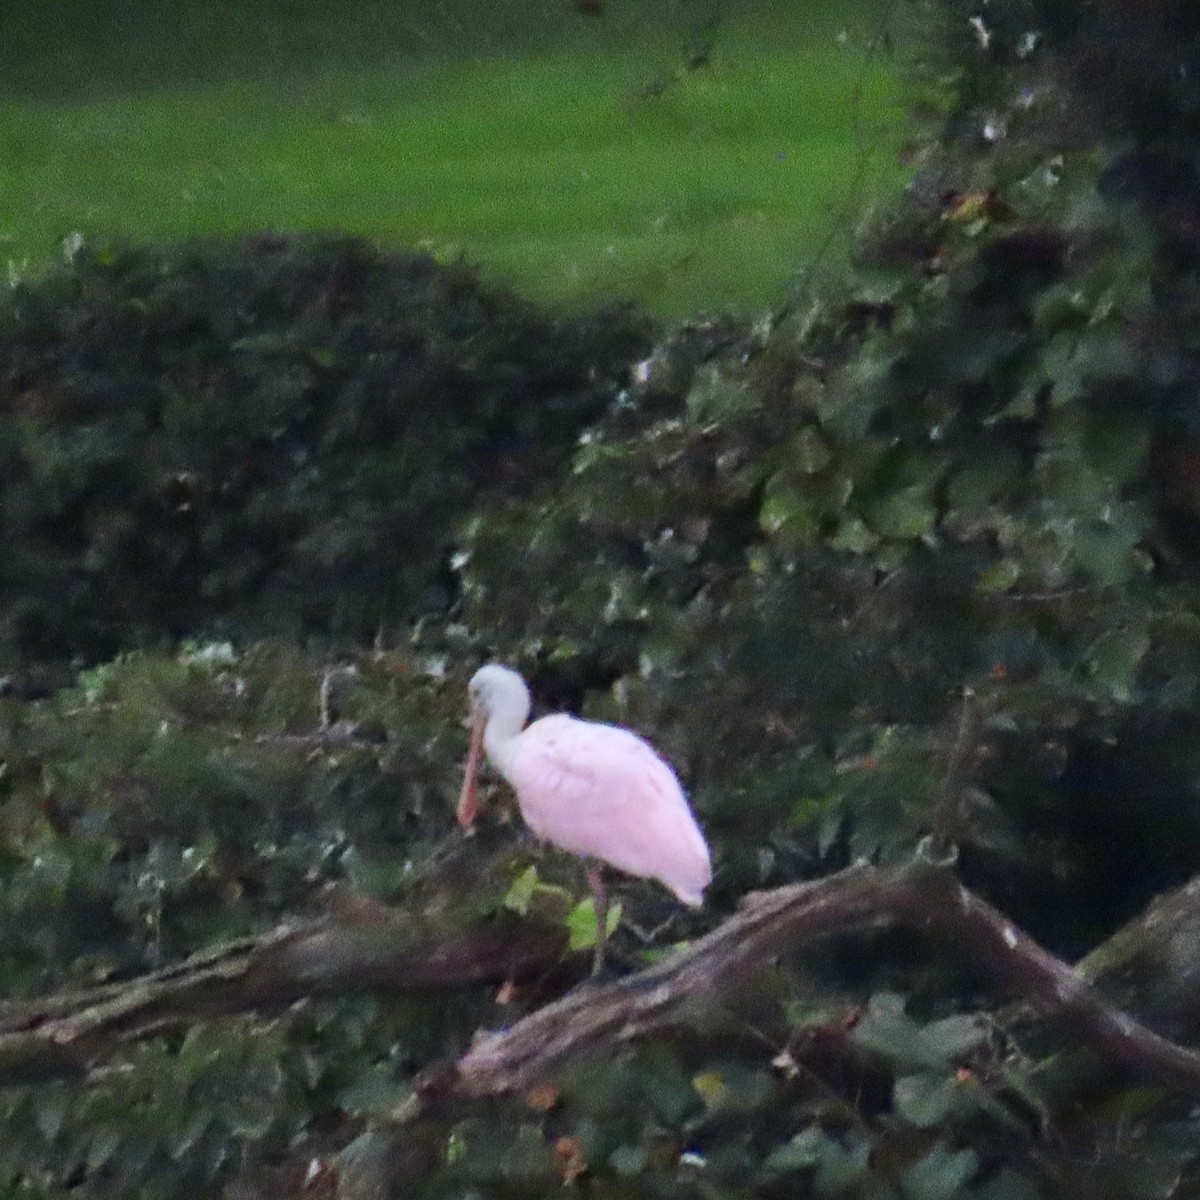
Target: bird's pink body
x,y
596,790
601,792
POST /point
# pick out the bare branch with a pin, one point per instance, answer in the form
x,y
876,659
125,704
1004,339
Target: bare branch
x,y
359,948
772,923
947,825
365,946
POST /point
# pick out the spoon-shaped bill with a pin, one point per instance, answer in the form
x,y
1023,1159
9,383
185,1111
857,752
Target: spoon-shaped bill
x,y
468,801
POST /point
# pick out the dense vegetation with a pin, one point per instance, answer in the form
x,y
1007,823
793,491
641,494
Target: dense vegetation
x,y
244,437
784,550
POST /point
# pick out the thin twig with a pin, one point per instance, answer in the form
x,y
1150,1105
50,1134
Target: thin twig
x,y
948,823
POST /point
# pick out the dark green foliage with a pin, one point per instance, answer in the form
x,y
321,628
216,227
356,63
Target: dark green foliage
x,y
273,434
780,551
165,804
169,804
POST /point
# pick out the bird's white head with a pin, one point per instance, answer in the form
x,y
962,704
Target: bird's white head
x,y
499,693
499,709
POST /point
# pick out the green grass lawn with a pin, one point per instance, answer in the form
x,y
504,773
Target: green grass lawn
x,y
576,157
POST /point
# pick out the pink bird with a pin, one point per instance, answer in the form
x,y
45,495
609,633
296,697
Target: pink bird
x,y
596,790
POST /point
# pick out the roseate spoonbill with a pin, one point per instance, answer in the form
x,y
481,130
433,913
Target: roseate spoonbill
x,y
596,790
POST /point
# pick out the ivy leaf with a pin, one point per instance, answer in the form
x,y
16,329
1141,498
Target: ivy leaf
x,y
51,1111
193,1131
715,396
999,577
838,1166
859,390
952,1037
812,455
786,508
975,488
101,1147
1107,353
628,1160
709,1086
377,1090
1114,660
1008,1185
906,513
1060,368
520,893
803,1151
1117,447
1105,548
582,925
940,1175
669,1089
853,537
890,1032
927,1101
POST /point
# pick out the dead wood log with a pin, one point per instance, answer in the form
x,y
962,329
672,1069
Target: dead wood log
x,y
375,948
921,895
357,948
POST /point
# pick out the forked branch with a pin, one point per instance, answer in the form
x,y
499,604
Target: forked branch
x,y
769,924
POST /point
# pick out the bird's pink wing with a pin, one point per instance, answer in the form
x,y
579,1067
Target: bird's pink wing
x,y
600,790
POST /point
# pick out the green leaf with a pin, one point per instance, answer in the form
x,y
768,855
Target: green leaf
x,y
375,874
975,488
628,1160
1060,368
786,508
837,1165
971,359
582,925
1062,306
1117,447
1008,1186
1070,483
811,453
520,893
266,343
809,809
906,513
379,1089
101,1147
1114,660
853,537
1105,549
926,1100
193,1131
1106,352
859,389
999,577
324,357
715,396
668,1088
952,1037
888,1031
1072,361
51,1111
841,1167
940,1175
802,1152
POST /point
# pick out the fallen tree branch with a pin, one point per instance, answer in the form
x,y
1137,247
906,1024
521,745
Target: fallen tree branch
x,y
369,947
360,947
921,895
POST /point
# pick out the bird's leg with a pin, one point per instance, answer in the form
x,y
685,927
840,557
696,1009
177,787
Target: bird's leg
x,y
600,904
